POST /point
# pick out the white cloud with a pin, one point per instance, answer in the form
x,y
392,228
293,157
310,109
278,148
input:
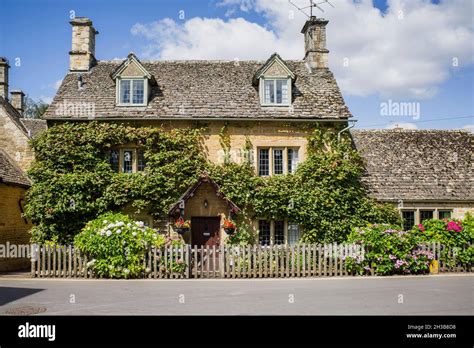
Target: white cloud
x,y
469,127
57,84
402,125
405,53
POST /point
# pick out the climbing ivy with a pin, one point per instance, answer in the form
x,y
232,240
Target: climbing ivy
x,y
73,182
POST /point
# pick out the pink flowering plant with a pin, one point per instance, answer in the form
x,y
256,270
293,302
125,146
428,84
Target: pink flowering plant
x,y
455,234
388,250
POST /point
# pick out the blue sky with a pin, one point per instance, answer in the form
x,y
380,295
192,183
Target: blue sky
x,y
36,37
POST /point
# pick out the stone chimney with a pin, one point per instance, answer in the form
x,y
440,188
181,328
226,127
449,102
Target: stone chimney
x,y
4,77
316,53
18,100
82,54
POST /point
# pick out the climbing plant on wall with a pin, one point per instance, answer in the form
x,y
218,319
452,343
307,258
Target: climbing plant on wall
x,y
73,181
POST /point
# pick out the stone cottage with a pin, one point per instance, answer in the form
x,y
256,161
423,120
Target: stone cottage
x,y
15,158
265,103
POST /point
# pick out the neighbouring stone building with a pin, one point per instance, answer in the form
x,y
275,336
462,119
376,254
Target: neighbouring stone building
x,y
267,104
425,173
13,226
15,159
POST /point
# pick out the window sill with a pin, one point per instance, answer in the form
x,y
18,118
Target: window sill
x,y
131,105
275,105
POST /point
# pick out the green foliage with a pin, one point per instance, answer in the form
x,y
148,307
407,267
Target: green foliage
x,y
74,183
453,233
324,196
34,109
117,245
388,250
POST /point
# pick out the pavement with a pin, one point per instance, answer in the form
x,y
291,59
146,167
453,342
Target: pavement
x,y
399,295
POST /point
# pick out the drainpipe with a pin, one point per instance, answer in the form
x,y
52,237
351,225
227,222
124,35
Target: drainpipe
x,y
343,130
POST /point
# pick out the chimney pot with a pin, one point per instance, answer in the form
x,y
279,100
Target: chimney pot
x,y
4,77
82,54
316,53
18,100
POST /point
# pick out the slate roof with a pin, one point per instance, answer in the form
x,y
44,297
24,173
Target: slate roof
x,y
203,89
10,173
418,165
34,125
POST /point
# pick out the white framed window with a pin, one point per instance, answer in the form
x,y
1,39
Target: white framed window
x,y
263,162
278,232
294,233
127,160
275,91
292,160
277,160
132,91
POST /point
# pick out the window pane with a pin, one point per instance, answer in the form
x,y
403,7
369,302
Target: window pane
x,y
277,161
281,91
264,232
138,91
444,214
124,91
408,219
292,160
279,232
263,162
293,233
269,91
128,161
114,160
426,214
141,164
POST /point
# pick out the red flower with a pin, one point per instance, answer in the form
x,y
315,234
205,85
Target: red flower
x,y
421,227
229,223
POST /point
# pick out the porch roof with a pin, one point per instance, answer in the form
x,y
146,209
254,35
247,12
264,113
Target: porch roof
x,y
204,178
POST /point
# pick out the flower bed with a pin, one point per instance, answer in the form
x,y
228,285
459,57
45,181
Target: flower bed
x,y
388,250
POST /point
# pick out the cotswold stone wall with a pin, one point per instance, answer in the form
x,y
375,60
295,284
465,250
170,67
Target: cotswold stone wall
x,y
13,228
14,142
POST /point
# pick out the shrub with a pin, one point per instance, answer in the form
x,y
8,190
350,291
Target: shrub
x,y
388,250
456,235
117,245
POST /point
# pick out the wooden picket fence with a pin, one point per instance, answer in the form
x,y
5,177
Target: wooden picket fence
x,y
181,262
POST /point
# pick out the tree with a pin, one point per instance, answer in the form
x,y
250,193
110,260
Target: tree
x,y
34,109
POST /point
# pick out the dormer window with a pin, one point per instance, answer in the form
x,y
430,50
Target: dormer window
x,y
132,91
274,79
276,91
133,82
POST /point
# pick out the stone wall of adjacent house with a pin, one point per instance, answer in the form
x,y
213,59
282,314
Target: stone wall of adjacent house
x,y
14,142
13,228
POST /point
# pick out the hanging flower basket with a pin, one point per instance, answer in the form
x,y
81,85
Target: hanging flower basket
x,y
229,226
181,230
181,226
229,230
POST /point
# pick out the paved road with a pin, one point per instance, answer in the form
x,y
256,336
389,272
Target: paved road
x,y
424,295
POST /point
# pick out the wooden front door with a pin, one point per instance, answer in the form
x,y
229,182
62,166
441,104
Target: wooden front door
x,y
205,231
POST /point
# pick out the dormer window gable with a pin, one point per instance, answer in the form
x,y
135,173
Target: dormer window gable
x,y
275,81
133,82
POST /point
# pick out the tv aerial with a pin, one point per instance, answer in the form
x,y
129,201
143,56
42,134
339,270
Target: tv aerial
x,y
312,5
